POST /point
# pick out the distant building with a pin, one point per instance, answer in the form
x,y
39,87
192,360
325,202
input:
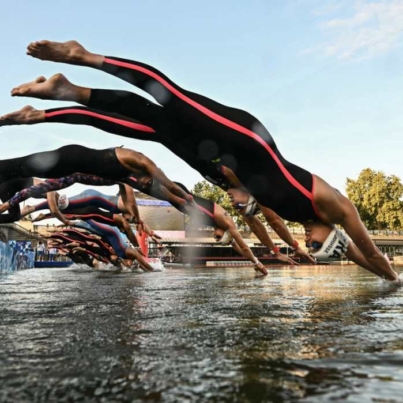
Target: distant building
x,y
159,215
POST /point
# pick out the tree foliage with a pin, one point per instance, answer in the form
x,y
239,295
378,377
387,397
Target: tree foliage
x,y
378,199
211,192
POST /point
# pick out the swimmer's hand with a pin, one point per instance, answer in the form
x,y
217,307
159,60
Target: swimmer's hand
x,y
259,267
189,198
140,226
300,252
70,222
155,237
138,249
285,259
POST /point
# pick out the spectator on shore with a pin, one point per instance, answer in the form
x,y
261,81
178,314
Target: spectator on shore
x,y
40,251
52,254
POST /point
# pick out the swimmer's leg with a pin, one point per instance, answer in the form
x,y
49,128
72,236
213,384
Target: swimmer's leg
x,y
72,52
143,76
185,108
123,102
109,122
77,115
126,103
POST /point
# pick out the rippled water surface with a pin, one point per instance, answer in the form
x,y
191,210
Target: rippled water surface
x,y
313,334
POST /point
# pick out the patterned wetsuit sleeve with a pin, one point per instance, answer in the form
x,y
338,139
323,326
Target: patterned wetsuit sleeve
x,y
32,191
51,185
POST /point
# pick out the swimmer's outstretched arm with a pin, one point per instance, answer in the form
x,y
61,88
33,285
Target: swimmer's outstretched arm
x,y
355,255
54,208
278,225
158,174
122,222
258,228
134,254
225,221
274,221
153,170
355,228
129,201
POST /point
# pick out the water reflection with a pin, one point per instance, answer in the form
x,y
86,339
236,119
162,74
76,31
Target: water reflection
x,y
300,334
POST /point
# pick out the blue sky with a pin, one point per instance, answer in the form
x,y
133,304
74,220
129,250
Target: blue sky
x,y
325,77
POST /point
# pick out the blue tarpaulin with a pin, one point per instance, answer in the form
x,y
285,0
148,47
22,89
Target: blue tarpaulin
x,y
16,256
159,203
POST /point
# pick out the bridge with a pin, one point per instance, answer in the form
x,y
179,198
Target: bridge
x,y
15,232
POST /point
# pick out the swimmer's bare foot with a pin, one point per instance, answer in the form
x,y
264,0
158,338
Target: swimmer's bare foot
x,y
4,207
70,52
25,116
39,217
27,210
56,87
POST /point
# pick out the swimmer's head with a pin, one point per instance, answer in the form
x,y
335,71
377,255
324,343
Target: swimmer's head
x,y
244,202
63,202
223,237
325,242
249,209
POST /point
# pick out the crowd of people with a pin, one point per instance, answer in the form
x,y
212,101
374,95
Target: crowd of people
x,y
229,147
46,252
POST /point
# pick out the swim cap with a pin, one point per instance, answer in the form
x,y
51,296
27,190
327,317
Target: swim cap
x,y
63,202
252,208
334,247
226,239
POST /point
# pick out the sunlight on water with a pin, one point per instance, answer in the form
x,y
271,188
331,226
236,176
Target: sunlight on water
x,y
310,334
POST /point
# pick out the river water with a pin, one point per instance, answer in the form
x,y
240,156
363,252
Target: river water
x,y
307,334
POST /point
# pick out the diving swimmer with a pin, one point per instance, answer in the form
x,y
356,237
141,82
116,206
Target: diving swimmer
x,y
275,183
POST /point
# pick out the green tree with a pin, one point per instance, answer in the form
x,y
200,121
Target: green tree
x,y
378,199
211,192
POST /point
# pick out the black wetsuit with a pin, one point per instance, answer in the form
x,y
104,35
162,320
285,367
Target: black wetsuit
x,y
205,206
9,189
213,132
65,161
